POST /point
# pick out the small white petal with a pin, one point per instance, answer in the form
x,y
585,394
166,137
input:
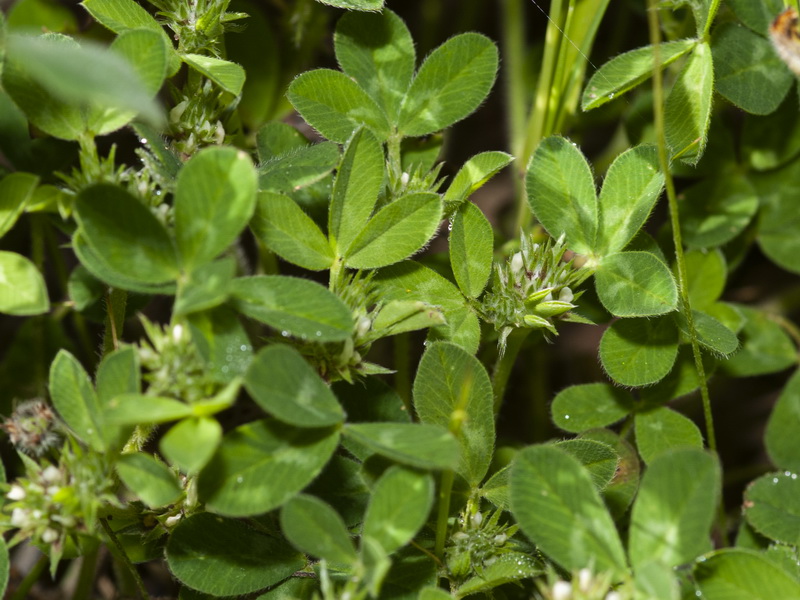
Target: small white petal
x,y
562,590
49,536
51,474
16,492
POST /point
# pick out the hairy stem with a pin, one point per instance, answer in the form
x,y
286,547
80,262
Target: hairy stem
x,y
680,259
119,554
505,362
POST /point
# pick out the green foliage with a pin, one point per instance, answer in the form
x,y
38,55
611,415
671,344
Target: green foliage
x,y
342,384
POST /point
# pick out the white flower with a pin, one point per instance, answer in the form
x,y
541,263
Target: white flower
x,y
584,580
517,262
49,536
51,474
177,332
16,493
20,517
562,590
476,519
613,596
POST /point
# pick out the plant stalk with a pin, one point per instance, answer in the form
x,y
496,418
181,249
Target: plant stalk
x,y
504,365
119,553
680,259
30,579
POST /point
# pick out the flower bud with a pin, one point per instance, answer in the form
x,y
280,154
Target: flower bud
x,y
562,590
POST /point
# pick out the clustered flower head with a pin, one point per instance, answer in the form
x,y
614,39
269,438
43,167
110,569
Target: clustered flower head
x,y
54,502
176,368
585,585
32,428
478,542
533,288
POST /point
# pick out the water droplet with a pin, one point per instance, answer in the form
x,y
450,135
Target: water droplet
x,y
774,480
566,417
239,479
319,334
611,96
243,348
143,140
285,333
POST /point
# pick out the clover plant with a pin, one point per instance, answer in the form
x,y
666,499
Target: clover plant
x,y
259,334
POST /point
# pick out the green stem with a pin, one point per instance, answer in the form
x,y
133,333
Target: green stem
x,y
30,579
677,238
712,12
542,100
119,553
680,259
445,489
504,364
513,24
116,300
86,576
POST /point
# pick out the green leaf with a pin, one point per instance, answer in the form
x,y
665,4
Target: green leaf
x,y
772,507
772,141
598,458
452,82
122,15
705,277
561,193
560,510
335,105
299,307
399,506
619,493
766,347
75,400
674,509
286,386
471,249
16,189
298,168
276,138
717,209
784,423
738,574
118,374
624,72
756,15
396,231
423,446
98,267
225,557
377,51
22,288
190,444
505,568
290,233
355,191
77,76
399,316
355,4
412,281
227,75
687,111
206,287
136,409
661,429
215,198
474,173
638,352
130,239
711,334
655,580
39,105
147,52
452,390
314,527
635,284
630,190
261,465
496,489
581,407
150,479
748,71
5,564
780,216
255,48
222,342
